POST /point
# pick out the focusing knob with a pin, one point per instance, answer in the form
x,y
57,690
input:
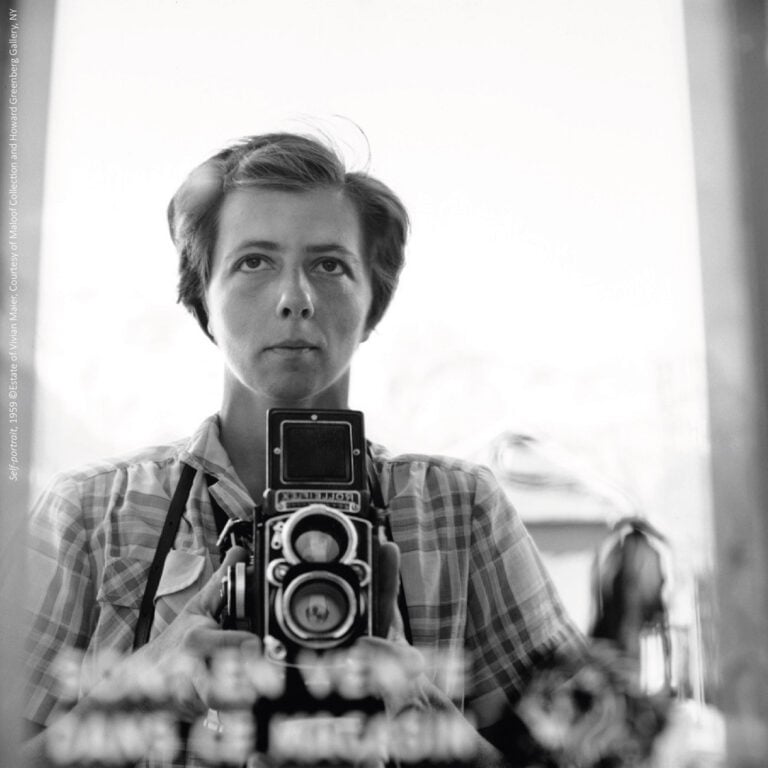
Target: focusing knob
x,y
240,591
234,590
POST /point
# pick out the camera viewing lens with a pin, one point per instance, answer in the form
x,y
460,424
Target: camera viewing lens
x,y
319,607
319,534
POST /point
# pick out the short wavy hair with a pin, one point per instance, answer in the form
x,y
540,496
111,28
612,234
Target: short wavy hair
x,y
286,162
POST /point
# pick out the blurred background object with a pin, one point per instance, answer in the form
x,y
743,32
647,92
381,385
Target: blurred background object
x,y
618,575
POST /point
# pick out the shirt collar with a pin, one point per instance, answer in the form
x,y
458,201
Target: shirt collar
x,y
205,452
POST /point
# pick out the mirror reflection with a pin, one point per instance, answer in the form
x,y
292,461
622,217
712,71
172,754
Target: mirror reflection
x,y
548,323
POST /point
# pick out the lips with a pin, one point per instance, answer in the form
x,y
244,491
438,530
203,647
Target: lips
x,y
293,345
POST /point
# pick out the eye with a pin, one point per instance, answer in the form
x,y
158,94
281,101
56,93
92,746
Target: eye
x,y
252,263
332,267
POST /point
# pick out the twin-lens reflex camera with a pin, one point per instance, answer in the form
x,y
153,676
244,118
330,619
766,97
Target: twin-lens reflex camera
x,y
311,580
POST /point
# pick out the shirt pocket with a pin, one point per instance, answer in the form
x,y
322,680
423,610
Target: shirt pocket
x,y
123,582
119,598
184,573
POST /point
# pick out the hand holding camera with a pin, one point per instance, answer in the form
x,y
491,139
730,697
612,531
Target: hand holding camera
x,y
195,633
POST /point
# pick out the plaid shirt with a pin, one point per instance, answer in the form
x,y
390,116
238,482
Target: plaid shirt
x,y
472,577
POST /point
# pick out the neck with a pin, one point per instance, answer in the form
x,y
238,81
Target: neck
x,y
243,418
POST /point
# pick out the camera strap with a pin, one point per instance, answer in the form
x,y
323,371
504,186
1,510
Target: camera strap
x,y
221,518
165,543
374,486
167,536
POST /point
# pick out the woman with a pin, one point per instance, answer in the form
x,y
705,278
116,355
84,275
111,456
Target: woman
x,y
288,262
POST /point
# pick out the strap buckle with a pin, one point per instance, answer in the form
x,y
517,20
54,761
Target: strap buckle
x,y
236,533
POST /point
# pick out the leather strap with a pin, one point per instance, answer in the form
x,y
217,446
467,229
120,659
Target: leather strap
x,y
167,536
219,515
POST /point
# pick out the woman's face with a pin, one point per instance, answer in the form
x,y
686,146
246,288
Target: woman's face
x,y
289,294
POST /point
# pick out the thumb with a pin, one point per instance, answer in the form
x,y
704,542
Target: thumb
x,y
389,583
209,600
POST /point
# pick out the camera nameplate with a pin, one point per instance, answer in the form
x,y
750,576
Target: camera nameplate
x,y
291,499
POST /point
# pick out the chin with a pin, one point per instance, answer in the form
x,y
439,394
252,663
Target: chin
x,y
302,389
298,395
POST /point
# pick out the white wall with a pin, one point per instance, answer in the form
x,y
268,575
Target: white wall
x,y
543,151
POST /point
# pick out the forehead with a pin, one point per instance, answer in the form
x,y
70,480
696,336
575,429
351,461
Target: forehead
x,y
289,219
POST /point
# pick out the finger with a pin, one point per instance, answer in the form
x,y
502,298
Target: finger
x,y
396,670
389,582
208,600
205,641
382,650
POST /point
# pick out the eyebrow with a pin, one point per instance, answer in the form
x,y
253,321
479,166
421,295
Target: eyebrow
x,y
331,248
267,245
271,245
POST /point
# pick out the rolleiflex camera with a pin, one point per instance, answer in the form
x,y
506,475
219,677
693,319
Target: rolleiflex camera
x,y
311,580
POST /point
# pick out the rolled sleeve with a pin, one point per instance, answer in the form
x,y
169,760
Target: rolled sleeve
x,y
515,616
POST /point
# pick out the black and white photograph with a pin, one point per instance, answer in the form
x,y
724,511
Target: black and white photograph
x,y
385,384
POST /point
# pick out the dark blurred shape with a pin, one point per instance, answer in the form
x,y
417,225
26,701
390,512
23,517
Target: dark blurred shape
x,y
586,711
629,581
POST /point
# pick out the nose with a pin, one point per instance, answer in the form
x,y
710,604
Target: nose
x,y
295,300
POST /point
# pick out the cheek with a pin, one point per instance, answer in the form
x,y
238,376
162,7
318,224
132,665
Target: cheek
x,y
357,300
226,312
350,316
